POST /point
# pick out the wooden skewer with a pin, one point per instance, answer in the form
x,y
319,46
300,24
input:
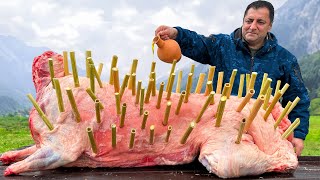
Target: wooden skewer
x,y
114,135
192,68
160,95
284,88
91,76
209,88
265,76
100,67
154,89
117,96
188,88
124,84
133,133
173,75
220,110
92,141
245,100
116,80
187,133
294,103
113,65
252,80
265,87
168,133
51,71
144,120
167,113
266,101
40,112
200,82
73,105
133,86
149,90
277,87
182,95
88,55
243,122
133,70
212,100
283,113
141,100
174,62
273,103
247,82
226,89
93,97
211,73
97,107
240,90
204,107
153,66
123,114
178,87
65,63
94,71
151,140
233,76
220,81
254,111
59,94
291,128
138,92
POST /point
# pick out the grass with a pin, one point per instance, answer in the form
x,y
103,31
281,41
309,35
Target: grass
x,y
312,142
14,133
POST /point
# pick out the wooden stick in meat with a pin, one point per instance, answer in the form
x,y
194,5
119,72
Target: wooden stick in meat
x,y
220,110
240,90
132,135
65,63
252,80
141,100
266,101
133,70
174,62
209,88
151,140
40,112
124,84
187,133
291,128
114,135
97,107
167,113
93,97
144,120
245,100
149,90
168,133
178,87
219,83
92,141
50,61
173,75
204,107
117,97
294,103
243,122
160,95
283,113
133,85
181,98
273,103
233,76
138,92
116,80
188,88
59,94
113,65
100,67
73,105
200,82
123,114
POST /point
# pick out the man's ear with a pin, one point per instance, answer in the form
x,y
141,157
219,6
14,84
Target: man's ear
x,y
270,27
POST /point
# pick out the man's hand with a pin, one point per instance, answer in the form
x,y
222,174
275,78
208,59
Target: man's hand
x,y
298,144
166,32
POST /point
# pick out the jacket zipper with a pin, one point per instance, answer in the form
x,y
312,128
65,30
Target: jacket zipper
x,y
252,61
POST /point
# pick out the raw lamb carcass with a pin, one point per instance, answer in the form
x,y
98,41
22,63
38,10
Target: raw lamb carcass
x,y
261,149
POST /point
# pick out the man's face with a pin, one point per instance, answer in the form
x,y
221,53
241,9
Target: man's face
x,y
256,25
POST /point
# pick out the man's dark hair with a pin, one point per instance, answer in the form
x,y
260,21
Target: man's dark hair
x,y
261,4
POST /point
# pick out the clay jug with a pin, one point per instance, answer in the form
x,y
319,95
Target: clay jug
x,y
168,50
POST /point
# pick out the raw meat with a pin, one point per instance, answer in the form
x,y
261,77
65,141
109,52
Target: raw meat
x,y
261,150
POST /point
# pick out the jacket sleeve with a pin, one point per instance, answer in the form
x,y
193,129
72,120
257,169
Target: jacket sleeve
x,y
297,88
198,47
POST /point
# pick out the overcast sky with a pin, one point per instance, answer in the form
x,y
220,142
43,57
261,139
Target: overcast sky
x,y
124,27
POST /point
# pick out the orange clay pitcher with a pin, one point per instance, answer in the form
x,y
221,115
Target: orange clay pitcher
x,y
168,50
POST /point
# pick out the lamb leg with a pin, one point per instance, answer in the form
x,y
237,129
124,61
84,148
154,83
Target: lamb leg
x,y
43,158
17,155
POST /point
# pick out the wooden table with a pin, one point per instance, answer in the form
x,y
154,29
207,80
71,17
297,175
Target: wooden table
x,y
309,168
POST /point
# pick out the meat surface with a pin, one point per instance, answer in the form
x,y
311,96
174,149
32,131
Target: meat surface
x,y
261,149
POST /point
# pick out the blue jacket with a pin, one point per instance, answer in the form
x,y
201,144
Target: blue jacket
x,y
228,52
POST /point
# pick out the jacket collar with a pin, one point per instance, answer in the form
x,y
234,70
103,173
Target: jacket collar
x,y
271,41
